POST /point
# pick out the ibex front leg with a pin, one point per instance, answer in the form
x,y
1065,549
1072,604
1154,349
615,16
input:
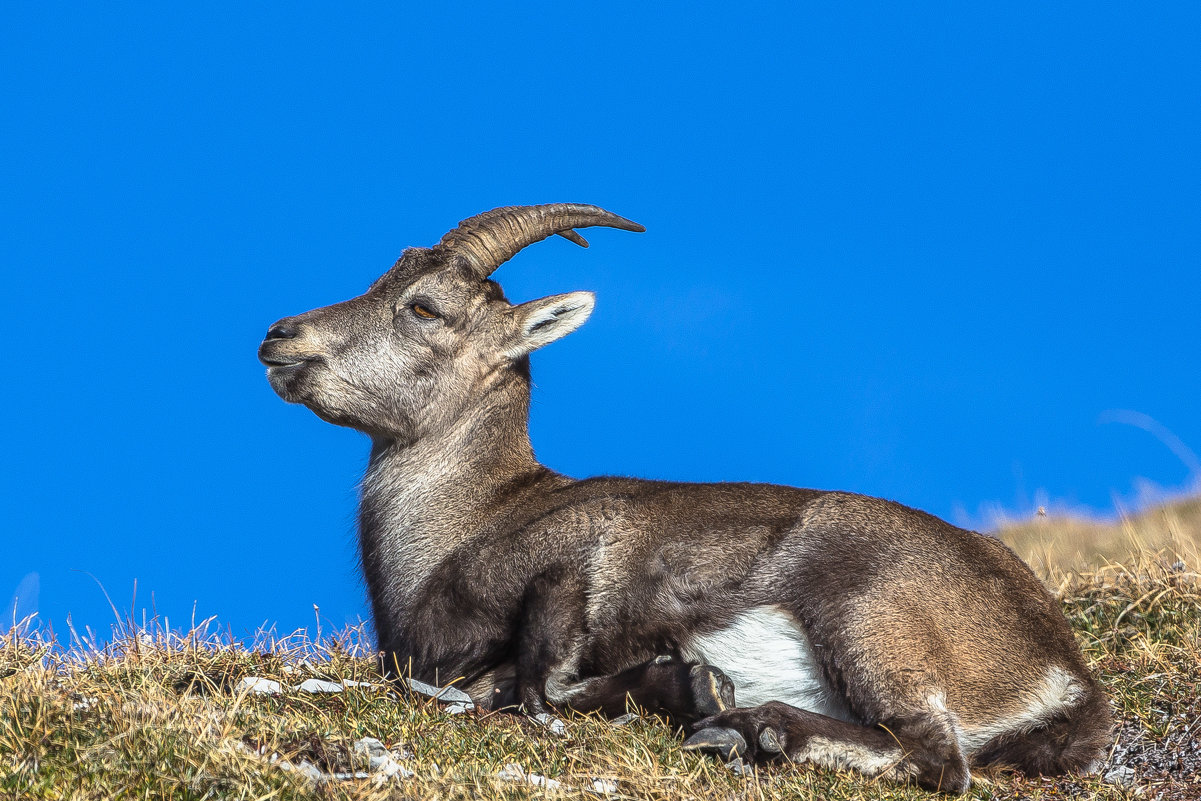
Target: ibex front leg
x,y
548,663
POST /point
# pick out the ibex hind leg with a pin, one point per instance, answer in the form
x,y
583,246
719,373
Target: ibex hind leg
x,y
1073,740
923,747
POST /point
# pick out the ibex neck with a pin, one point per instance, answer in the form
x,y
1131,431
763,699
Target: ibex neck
x,y
423,501
459,470
482,445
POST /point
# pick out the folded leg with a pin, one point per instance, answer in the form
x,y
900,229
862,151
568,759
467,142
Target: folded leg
x,y
683,691
549,658
921,746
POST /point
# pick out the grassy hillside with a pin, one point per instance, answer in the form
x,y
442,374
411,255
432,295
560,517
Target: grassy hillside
x,y
159,715
1057,545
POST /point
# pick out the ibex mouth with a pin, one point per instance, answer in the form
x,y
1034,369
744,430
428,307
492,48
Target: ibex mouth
x,y
279,361
270,355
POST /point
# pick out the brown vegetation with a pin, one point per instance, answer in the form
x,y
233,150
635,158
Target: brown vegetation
x,y
157,714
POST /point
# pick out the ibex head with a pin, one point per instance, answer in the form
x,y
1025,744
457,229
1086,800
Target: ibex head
x,y
433,334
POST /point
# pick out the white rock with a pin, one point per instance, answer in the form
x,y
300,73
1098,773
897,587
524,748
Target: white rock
x,y
602,786
319,686
369,747
305,768
513,773
552,724
391,769
448,694
384,763
1120,775
254,684
739,768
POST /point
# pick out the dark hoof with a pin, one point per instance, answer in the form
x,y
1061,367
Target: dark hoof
x,y
769,741
726,743
712,690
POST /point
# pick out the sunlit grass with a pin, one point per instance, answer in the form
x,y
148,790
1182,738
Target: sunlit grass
x,y
155,714
1055,545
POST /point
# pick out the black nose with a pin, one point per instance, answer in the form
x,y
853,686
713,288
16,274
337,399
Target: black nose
x,y
282,330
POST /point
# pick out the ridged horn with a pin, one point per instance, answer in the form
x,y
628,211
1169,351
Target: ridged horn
x,y
488,240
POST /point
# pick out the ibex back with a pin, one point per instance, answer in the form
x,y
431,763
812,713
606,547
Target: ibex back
x,y
853,632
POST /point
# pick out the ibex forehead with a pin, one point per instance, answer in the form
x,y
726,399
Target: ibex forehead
x,y
456,297
417,263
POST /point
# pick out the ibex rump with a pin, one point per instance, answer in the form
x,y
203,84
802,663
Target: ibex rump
x,y
855,632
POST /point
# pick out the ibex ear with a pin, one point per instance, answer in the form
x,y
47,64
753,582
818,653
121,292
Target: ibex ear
x,y
541,322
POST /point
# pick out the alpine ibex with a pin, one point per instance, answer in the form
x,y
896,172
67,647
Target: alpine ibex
x,y
855,632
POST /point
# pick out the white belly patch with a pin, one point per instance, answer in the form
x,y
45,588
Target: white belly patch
x,y
768,656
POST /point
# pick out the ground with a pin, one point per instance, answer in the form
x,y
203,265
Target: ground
x,y
159,714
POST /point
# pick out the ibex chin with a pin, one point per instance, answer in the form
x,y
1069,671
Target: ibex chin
x,y
853,632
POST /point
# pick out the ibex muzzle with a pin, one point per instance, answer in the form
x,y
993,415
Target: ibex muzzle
x,y
854,632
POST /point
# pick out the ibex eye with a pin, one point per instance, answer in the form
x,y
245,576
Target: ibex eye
x,y
423,311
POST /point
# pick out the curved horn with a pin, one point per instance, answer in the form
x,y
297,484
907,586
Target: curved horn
x,y
488,240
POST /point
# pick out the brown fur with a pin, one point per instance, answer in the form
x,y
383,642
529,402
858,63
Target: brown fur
x,y
526,586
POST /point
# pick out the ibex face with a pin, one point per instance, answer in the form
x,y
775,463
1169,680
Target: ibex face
x,y
433,334
399,360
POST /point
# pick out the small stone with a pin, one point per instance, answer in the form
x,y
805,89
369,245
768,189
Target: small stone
x,y
1121,775
258,686
305,768
391,769
514,773
551,723
447,694
383,763
369,747
511,773
739,768
602,786
624,720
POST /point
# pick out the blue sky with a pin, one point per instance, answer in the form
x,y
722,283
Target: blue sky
x,y
915,253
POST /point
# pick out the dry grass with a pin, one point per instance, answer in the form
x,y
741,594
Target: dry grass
x,y
156,715
1057,545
